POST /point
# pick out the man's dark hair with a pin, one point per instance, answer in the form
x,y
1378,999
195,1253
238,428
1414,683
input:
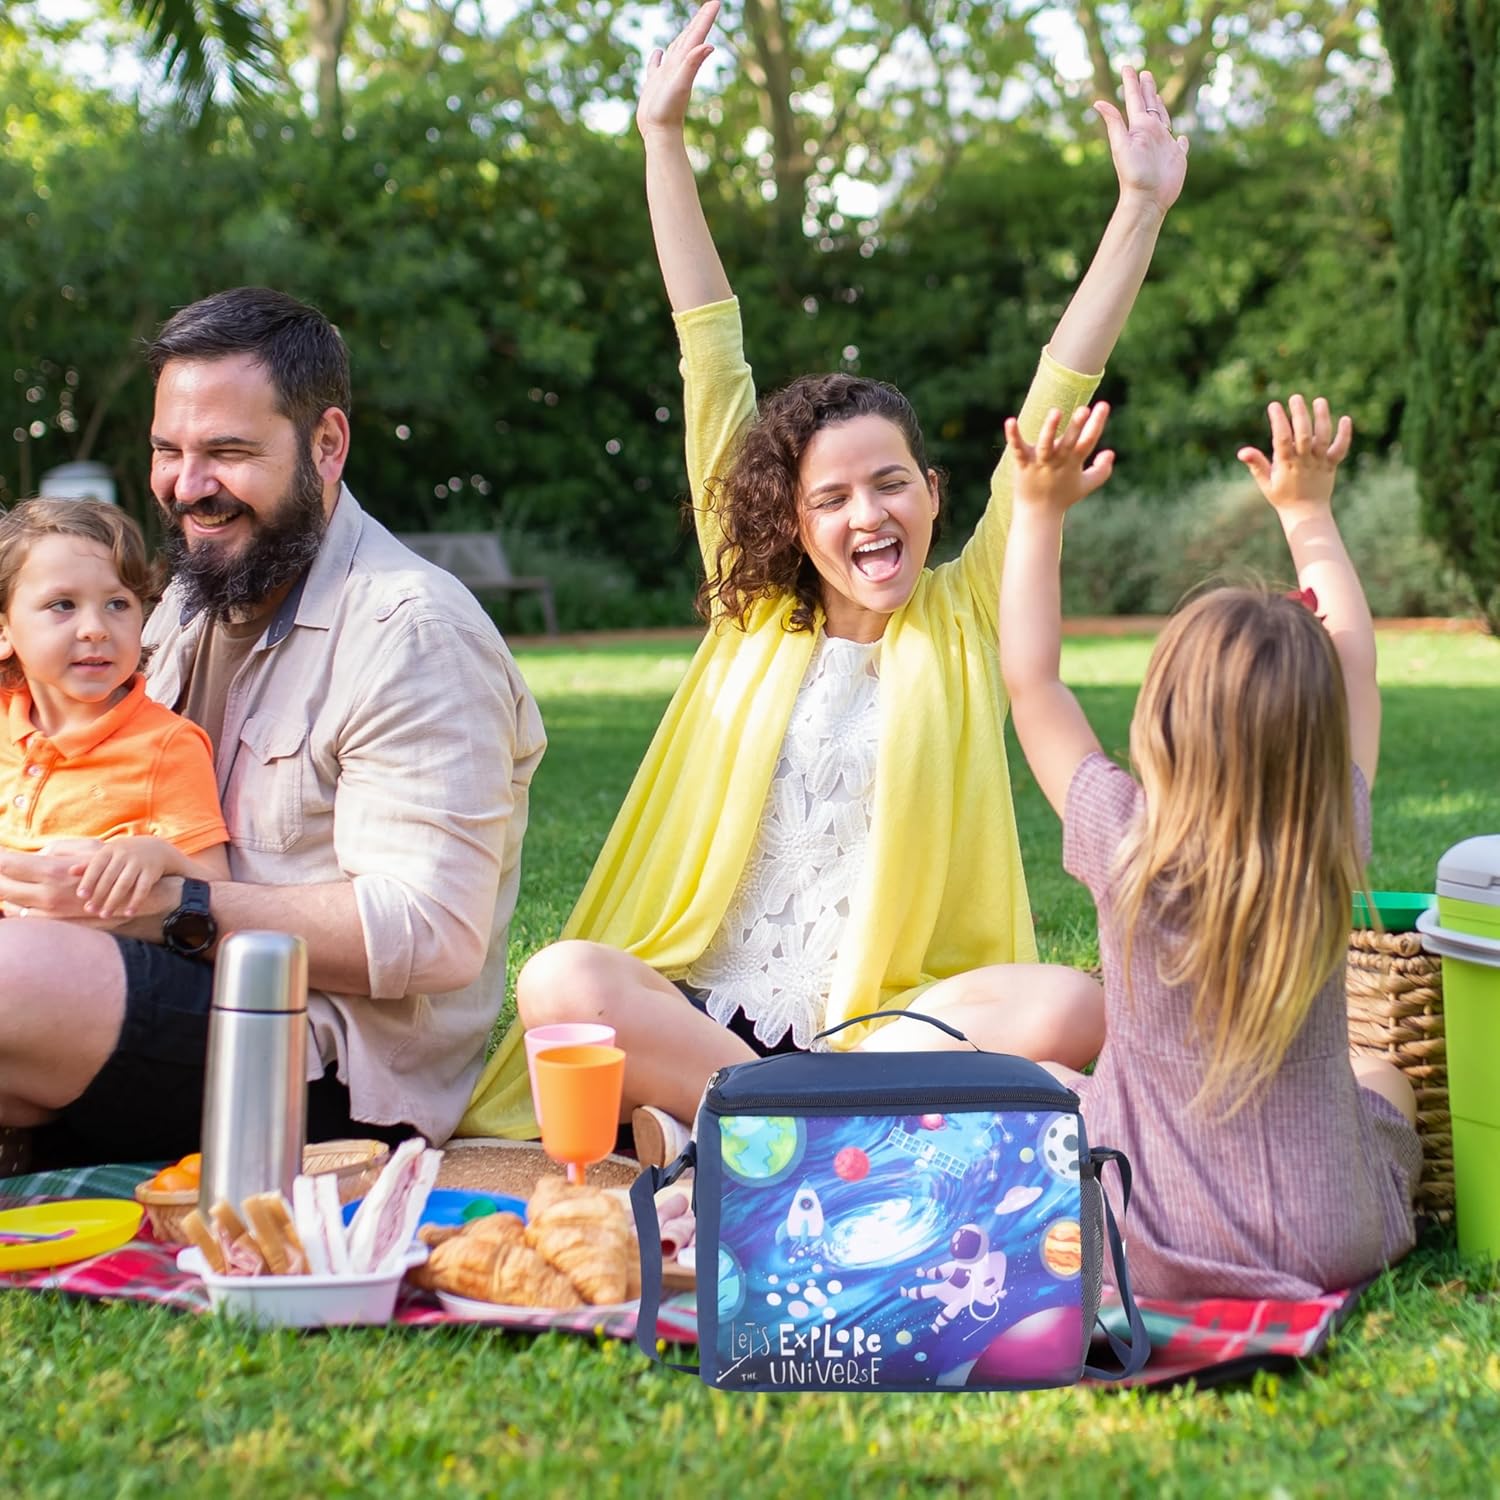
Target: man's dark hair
x,y
299,349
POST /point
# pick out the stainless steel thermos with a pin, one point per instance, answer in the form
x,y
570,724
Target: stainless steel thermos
x,y
255,1088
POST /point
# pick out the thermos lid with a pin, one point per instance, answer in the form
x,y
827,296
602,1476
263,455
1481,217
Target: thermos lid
x,y
1470,871
261,971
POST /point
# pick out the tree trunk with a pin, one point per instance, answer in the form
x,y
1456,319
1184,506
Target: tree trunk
x,y
328,22
769,65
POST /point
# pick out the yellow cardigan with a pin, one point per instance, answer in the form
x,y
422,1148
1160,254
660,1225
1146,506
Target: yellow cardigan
x,y
943,890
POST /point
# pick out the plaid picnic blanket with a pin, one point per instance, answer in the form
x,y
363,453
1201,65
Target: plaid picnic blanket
x,y
146,1271
1209,1342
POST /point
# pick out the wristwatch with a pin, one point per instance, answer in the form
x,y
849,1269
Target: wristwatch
x,y
191,930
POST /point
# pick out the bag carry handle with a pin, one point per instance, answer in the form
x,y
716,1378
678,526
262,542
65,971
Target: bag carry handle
x,y
643,1193
914,1015
1132,1355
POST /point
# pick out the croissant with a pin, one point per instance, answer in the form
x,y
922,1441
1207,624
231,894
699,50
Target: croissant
x,y
588,1238
488,1261
551,1190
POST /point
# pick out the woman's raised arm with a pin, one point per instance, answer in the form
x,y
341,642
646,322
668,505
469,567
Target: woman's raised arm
x,y
1150,163
690,264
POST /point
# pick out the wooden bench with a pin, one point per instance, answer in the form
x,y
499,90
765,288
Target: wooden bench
x,y
477,559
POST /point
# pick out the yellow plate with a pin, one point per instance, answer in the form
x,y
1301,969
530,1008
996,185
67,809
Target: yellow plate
x,y
97,1225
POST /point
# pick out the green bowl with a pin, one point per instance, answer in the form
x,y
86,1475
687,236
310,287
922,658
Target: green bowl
x,y
1398,910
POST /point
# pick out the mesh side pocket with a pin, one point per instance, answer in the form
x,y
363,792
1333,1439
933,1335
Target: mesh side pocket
x,y
1091,1206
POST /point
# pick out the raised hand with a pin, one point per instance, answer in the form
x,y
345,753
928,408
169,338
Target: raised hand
x,y
1306,450
664,98
1150,161
1056,474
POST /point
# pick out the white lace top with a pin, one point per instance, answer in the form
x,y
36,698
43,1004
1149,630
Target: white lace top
x,y
774,952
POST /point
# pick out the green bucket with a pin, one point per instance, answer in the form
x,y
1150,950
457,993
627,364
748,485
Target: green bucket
x,y
1465,931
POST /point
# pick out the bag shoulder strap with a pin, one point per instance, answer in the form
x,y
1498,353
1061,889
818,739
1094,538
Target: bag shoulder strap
x,y
1132,1355
643,1193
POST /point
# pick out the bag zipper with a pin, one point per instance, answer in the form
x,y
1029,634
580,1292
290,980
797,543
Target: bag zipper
x,y
906,1101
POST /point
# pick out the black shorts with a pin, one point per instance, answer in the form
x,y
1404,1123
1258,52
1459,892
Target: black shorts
x,y
146,1102
741,1025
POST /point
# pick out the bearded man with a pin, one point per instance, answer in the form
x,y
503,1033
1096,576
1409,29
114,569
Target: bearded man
x,y
374,744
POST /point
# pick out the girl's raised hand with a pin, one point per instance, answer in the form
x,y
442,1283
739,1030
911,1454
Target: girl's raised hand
x,y
1055,473
1306,450
1150,161
663,104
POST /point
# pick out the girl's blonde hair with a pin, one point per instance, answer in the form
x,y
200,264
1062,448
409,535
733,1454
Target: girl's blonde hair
x,y
1246,848
93,521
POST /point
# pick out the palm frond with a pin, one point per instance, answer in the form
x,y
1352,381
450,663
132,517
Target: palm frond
x,y
209,49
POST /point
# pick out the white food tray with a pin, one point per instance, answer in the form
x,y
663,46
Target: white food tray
x,y
303,1301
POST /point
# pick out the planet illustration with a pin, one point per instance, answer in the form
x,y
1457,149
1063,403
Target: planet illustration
x,y
1047,1345
1059,1146
932,1122
851,1164
731,1284
1062,1248
760,1148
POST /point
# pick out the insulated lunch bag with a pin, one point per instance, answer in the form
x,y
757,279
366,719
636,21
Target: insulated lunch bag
x,y
893,1221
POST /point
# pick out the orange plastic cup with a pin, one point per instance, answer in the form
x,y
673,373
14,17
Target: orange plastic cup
x,y
579,1089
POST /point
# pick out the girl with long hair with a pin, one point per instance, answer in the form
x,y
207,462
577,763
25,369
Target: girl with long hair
x,y
1268,1161
822,826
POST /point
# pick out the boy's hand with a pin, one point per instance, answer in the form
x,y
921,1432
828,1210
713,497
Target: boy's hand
x,y
1150,161
1306,451
1053,475
120,875
663,104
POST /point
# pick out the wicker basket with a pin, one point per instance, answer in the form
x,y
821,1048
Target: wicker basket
x,y
166,1211
1396,1013
356,1165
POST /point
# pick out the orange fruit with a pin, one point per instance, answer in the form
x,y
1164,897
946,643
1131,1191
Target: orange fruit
x,y
174,1180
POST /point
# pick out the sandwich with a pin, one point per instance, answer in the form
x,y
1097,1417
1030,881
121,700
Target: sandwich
x,y
386,1222
320,1224
308,1235
195,1226
242,1256
271,1223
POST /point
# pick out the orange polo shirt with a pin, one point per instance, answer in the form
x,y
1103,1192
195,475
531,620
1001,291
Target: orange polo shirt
x,y
137,769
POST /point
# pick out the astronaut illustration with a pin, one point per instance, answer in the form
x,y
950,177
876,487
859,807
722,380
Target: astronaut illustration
x,y
804,1223
973,1281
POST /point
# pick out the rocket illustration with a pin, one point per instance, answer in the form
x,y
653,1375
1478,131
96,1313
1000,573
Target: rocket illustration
x,y
804,1219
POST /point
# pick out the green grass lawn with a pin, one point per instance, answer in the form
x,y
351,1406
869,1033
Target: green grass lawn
x,y
99,1399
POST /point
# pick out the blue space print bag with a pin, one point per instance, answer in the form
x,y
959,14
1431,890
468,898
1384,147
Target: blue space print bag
x,y
894,1221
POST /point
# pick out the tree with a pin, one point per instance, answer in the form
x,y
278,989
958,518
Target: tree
x,y
1447,64
1270,58
209,48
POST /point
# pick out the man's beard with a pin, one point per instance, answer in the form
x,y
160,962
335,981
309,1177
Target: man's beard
x,y
235,584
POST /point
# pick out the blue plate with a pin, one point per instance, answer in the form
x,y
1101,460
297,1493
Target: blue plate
x,y
455,1206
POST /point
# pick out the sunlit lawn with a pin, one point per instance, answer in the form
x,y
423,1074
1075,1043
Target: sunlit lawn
x,y
127,1400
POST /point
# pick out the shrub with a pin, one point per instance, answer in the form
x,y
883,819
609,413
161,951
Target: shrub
x,y
1128,553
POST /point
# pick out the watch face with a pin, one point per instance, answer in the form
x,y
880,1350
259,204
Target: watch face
x,y
191,931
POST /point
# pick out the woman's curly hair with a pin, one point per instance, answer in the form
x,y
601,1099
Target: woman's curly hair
x,y
761,555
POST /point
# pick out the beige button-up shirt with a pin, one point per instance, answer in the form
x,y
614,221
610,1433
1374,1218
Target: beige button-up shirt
x,y
381,733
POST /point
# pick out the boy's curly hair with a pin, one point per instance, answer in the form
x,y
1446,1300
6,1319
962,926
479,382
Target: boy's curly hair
x,y
760,555
93,521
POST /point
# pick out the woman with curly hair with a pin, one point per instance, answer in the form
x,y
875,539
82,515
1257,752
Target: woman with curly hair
x,y
822,825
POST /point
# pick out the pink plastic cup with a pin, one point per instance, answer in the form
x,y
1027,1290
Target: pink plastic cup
x,y
563,1034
